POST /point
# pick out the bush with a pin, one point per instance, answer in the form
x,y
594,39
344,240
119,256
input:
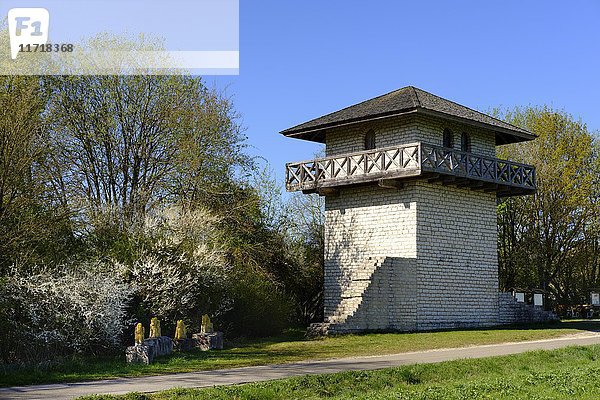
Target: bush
x,y
186,270
68,310
181,271
258,308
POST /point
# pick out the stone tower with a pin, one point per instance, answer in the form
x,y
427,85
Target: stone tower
x,y
411,184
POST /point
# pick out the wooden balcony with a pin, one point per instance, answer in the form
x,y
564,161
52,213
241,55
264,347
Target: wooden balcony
x,y
393,166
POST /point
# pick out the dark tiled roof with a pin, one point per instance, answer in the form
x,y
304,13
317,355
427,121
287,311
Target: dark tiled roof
x,y
403,101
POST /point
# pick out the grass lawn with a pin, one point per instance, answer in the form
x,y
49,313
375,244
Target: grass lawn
x,y
287,348
570,373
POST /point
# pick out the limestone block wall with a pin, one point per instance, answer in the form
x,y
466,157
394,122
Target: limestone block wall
x,y
512,312
370,259
408,129
430,129
383,298
457,265
351,138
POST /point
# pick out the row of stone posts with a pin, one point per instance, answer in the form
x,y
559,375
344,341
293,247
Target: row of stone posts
x,y
146,349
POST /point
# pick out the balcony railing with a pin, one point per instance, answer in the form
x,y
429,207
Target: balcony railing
x,y
420,160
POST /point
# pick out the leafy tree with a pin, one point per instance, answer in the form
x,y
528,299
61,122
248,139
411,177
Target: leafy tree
x,y
305,223
20,145
33,226
543,237
294,240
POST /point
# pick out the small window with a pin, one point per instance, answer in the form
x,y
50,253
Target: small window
x,y
370,140
465,142
448,138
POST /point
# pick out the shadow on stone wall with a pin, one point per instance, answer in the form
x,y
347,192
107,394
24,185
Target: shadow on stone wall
x,y
343,253
382,295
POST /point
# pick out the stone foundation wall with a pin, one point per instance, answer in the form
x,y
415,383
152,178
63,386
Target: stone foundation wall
x,y
370,244
510,311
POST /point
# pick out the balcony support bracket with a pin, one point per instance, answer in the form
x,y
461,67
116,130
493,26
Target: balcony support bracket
x,y
328,191
390,184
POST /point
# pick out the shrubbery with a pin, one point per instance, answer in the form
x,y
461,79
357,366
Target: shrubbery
x,y
185,264
181,265
60,311
257,308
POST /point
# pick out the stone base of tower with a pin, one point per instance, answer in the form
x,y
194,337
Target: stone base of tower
x,y
420,258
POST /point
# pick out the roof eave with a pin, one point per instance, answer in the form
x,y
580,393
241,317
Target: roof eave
x,y
514,135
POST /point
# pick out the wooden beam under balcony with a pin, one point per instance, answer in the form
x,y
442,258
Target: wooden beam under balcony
x,y
390,184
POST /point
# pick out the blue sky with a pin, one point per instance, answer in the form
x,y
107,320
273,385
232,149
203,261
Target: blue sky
x,y
302,59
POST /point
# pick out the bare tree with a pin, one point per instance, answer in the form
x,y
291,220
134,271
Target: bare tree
x,y
129,143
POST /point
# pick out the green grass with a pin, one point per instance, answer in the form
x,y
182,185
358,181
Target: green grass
x,y
570,373
287,348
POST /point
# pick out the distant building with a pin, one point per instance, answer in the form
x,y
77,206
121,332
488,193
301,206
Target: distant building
x,y
411,184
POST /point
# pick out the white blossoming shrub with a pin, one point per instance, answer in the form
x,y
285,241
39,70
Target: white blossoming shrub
x,y
174,288
187,269
173,227
70,309
182,271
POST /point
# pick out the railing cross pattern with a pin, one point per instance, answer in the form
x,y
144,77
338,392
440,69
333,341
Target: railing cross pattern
x,y
414,157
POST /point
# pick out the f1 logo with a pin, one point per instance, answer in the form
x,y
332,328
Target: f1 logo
x,y
27,26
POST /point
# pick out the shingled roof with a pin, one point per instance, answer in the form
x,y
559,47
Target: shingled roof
x,y
405,101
